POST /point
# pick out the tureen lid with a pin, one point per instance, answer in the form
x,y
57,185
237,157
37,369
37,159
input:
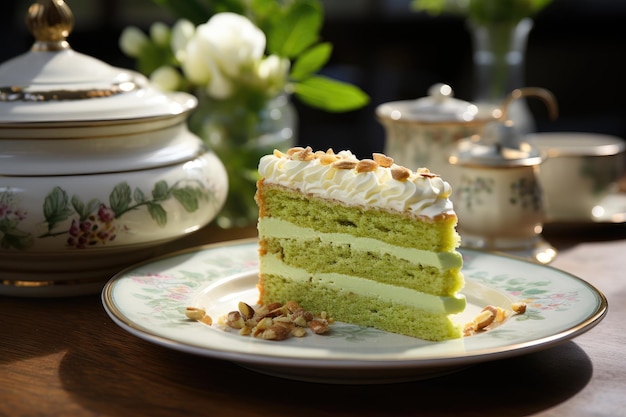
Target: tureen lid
x,y
52,82
439,106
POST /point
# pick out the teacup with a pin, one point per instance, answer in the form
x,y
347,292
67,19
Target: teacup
x,y
579,171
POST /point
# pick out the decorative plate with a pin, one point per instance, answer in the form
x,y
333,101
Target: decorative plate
x,y
149,301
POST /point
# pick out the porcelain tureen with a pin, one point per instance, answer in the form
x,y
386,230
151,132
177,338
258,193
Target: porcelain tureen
x,y
97,167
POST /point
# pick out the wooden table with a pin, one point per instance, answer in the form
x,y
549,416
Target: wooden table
x,y
65,357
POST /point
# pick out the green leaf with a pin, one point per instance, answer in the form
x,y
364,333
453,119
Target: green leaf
x,y
79,207
153,56
187,197
330,95
6,225
56,207
16,239
534,291
160,191
233,6
12,237
120,198
437,7
297,30
484,12
263,11
158,213
85,210
311,61
196,11
266,14
93,205
139,196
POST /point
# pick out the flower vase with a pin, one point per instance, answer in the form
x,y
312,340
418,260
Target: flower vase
x,y
240,135
499,51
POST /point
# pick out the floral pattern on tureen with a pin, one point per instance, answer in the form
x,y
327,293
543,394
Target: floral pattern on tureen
x,y
93,222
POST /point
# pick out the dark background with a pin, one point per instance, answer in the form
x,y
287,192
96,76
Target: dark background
x,y
576,50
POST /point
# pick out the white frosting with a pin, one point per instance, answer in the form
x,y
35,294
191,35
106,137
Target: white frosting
x,y
421,193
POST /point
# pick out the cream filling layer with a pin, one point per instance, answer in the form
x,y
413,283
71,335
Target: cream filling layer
x,y
277,228
388,293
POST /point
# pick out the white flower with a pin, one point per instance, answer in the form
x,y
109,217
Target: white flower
x,y
225,48
195,64
166,78
160,33
182,32
234,41
272,73
219,86
132,40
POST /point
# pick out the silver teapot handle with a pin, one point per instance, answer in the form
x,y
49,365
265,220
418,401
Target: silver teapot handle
x,y
545,95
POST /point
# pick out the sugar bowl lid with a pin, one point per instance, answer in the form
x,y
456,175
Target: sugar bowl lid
x,y
439,106
54,83
500,145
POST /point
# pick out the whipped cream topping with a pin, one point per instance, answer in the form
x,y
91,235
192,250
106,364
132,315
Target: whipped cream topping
x,y
342,176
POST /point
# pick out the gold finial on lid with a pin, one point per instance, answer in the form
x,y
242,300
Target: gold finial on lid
x,y
50,22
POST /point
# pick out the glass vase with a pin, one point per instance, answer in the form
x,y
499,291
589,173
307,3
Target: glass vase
x,y
499,52
240,136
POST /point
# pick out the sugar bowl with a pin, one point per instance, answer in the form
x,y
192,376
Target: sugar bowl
x,y
97,167
498,198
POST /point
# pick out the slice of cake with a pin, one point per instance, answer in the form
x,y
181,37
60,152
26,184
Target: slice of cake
x,y
369,242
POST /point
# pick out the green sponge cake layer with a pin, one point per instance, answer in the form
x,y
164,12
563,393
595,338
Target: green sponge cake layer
x,y
430,272
364,310
398,229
